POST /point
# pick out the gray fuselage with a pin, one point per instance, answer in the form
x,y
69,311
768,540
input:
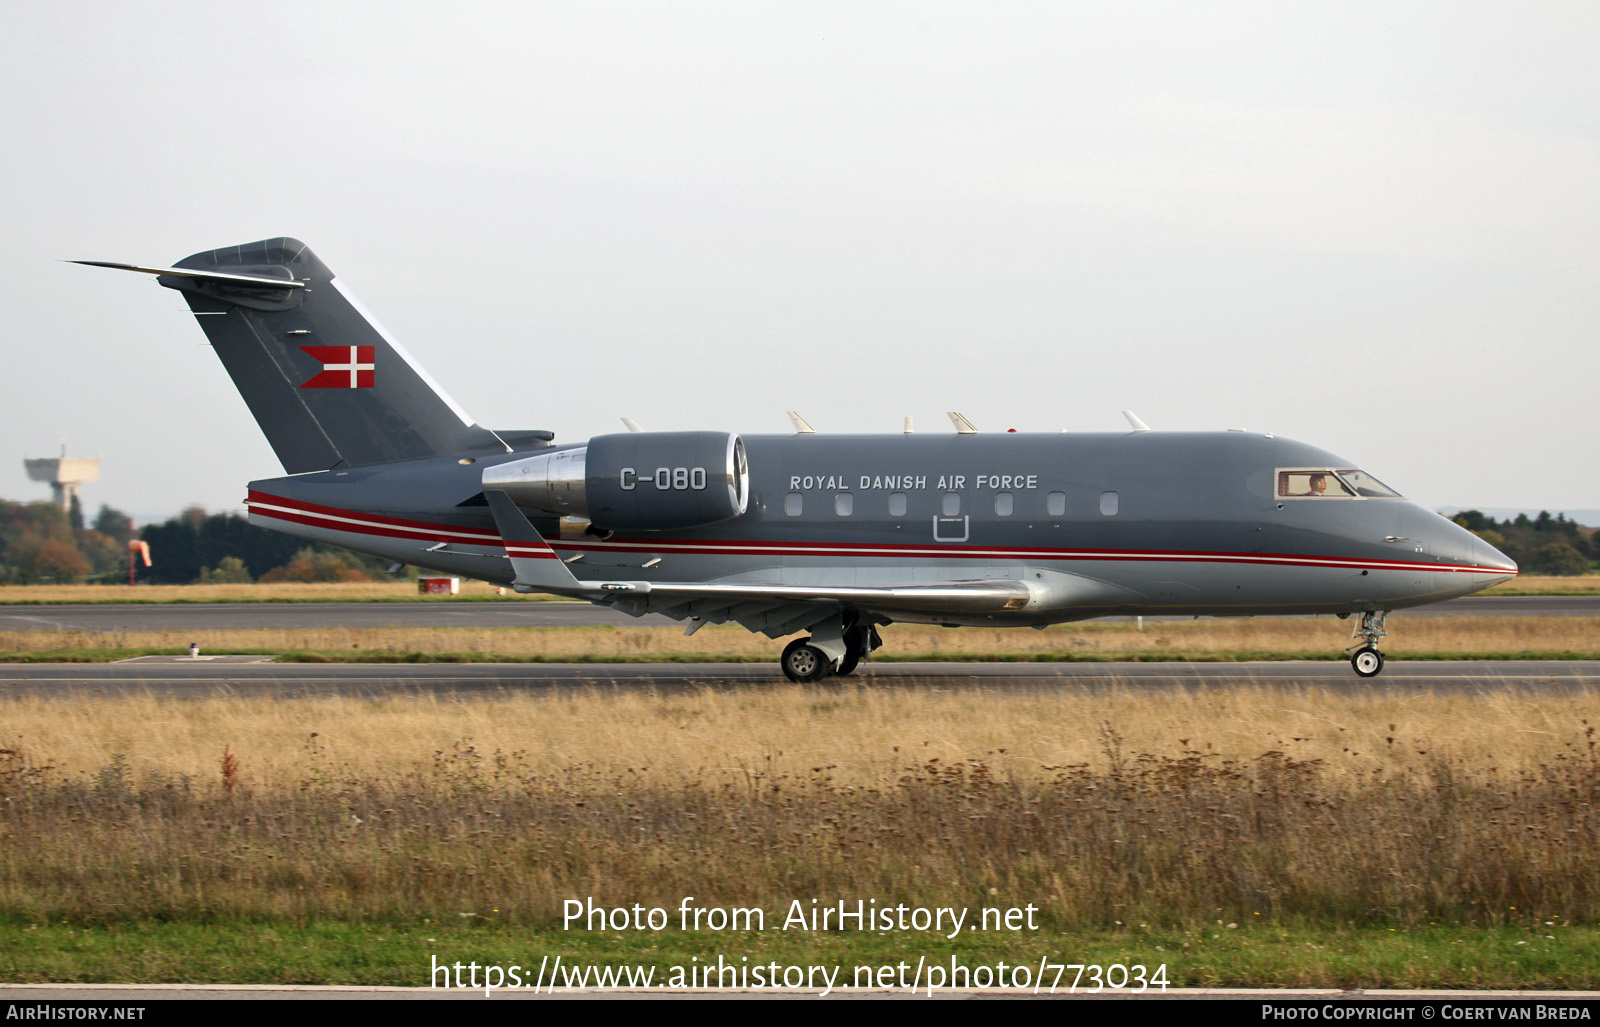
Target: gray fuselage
x,y
1092,525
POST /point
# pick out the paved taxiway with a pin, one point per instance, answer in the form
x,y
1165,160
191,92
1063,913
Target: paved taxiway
x,y
180,678
521,613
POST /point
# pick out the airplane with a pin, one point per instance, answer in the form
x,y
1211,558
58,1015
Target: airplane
x,y
827,536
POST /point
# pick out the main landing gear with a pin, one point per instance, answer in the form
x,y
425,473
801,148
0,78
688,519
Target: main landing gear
x,y
832,648
802,661
1367,661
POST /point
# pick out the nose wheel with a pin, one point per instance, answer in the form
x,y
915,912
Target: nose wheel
x,y
1366,659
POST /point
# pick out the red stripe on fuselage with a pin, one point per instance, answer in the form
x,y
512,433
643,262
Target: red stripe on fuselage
x,y
355,522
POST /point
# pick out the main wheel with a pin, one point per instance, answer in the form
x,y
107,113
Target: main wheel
x,y
804,662
1367,661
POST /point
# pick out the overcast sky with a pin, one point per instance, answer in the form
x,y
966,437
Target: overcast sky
x,y
1374,227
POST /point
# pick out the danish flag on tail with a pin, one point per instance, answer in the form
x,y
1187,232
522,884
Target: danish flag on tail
x,y
343,367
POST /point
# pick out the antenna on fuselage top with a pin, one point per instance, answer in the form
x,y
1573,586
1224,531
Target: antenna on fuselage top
x,y
800,425
631,424
909,430
1133,419
963,426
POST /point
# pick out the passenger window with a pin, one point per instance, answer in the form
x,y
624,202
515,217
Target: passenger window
x,y
843,503
793,503
897,504
1108,503
1003,503
1056,504
951,504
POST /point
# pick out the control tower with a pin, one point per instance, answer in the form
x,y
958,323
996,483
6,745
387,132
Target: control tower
x,y
65,475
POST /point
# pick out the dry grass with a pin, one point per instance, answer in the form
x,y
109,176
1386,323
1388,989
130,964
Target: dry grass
x,y
719,735
1549,585
1294,803
287,591
1203,639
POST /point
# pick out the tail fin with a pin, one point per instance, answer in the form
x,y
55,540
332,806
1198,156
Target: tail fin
x,y
325,382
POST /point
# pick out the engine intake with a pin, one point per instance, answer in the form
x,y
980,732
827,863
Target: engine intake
x,y
635,481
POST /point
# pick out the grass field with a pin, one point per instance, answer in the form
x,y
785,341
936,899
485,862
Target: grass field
x,y
1249,836
475,591
390,590
1245,639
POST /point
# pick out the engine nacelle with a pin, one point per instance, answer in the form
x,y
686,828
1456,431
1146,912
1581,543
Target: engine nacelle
x,y
635,481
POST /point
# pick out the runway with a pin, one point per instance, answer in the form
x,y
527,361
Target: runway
x,y
179,678
105,617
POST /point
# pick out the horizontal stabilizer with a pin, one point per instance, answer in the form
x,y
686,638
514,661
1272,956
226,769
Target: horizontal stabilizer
x,y
238,281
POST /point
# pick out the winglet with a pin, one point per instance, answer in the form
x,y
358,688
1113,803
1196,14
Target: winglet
x,y
534,564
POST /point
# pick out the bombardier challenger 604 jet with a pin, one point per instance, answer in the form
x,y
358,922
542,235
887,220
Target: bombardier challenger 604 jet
x,y
833,536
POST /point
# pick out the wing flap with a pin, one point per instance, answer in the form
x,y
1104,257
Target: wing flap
x,y
963,597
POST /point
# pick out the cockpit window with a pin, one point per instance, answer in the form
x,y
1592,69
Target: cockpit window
x,y
1368,486
1327,483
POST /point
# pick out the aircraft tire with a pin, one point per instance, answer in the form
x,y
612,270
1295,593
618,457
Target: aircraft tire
x,y
1367,661
803,662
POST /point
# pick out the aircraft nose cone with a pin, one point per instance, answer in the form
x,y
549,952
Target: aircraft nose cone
x,y
1485,555
1460,547
1464,548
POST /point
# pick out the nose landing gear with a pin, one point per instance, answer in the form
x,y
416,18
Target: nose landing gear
x,y
1367,661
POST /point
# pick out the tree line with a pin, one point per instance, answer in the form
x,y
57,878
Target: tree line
x,y
42,544
1540,545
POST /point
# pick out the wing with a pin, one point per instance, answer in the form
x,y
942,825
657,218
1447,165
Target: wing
x,y
772,608
778,609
